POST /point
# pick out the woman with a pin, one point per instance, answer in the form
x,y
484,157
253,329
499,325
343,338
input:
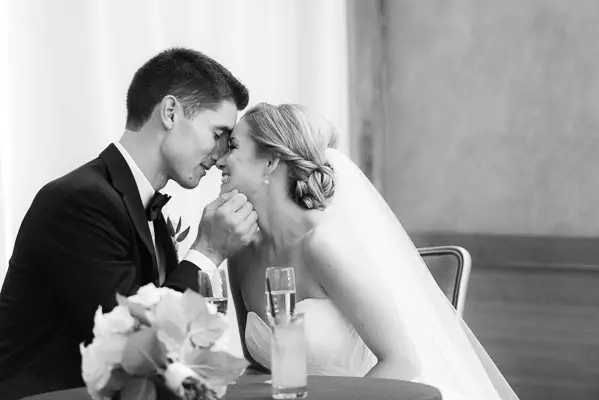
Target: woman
x,y
371,306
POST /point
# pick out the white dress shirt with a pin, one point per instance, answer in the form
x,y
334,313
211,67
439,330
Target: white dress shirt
x,y
146,192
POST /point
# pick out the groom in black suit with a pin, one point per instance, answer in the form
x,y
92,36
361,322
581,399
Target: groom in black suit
x,y
99,230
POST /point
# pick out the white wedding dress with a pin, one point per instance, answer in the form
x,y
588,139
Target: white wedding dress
x,y
335,348
450,357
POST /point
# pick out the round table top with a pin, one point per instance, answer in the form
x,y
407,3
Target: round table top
x,y
257,387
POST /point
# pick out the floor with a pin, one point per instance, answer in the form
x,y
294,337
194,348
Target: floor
x,y
533,302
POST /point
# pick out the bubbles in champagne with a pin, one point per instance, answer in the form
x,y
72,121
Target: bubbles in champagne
x,y
284,305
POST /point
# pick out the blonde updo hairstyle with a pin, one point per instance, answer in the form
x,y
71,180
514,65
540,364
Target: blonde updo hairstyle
x,y
298,137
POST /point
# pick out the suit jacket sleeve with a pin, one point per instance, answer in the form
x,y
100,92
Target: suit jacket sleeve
x,y
185,276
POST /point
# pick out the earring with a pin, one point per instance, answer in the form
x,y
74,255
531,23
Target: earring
x,y
266,181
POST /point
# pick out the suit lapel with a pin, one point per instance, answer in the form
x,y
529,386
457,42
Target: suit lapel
x,y
124,183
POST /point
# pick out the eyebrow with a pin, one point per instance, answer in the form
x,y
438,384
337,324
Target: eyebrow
x,y
224,128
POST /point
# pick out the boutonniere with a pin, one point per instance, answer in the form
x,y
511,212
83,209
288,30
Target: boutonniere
x,y
177,236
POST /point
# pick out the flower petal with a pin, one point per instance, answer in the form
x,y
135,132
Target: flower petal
x,y
218,368
144,354
171,322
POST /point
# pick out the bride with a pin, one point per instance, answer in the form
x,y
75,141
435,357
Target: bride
x,y
370,305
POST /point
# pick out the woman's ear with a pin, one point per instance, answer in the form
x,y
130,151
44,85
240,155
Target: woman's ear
x,y
270,165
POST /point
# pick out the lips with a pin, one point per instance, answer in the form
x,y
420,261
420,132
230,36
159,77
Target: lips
x,y
225,179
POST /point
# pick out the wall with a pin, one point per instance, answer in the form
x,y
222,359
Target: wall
x,y
492,122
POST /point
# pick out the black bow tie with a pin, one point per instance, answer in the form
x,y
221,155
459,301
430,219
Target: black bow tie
x,y
156,204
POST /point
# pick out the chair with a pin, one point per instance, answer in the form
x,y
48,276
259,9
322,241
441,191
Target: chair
x,y
439,260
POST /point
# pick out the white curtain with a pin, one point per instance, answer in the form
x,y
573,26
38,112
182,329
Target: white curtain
x,y
65,66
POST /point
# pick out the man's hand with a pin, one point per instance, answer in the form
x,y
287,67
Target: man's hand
x,y
228,224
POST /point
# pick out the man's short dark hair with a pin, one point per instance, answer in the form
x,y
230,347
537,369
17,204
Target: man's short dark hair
x,y
196,80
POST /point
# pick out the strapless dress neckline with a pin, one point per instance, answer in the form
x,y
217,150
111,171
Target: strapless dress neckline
x,y
334,346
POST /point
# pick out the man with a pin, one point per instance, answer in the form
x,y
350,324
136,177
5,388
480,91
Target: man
x,y
99,230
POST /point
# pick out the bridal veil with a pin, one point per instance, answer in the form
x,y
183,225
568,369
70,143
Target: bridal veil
x,y
451,357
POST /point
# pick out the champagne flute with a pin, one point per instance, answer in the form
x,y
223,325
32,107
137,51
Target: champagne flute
x,y
280,281
213,286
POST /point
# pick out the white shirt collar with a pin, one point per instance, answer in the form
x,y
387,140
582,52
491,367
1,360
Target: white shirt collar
x,y
146,191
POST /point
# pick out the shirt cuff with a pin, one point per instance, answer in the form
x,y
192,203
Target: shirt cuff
x,y
200,260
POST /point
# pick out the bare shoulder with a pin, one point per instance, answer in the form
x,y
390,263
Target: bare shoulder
x,y
329,245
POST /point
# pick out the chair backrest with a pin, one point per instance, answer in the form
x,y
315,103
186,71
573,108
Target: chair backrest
x,y
450,266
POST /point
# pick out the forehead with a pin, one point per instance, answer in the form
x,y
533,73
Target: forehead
x,y
241,131
224,116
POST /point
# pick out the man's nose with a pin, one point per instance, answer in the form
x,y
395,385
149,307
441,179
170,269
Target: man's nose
x,y
221,161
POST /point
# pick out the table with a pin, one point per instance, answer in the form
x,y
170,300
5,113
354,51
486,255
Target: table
x,y
254,387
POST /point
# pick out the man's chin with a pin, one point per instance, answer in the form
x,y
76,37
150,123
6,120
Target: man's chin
x,y
197,177
190,183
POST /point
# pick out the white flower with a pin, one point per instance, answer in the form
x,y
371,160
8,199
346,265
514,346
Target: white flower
x,y
175,374
106,351
118,321
222,343
149,295
211,308
99,359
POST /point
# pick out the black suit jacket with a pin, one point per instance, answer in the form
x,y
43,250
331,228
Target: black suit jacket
x,y
84,238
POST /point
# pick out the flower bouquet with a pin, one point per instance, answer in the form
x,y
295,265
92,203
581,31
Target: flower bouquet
x,y
159,344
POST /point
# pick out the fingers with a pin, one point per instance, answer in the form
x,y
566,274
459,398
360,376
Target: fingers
x,y
246,223
244,212
244,229
248,227
235,215
235,203
223,198
253,217
242,225
250,233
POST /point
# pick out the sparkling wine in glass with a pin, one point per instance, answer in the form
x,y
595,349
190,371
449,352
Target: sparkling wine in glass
x,y
282,293
213,286
220,303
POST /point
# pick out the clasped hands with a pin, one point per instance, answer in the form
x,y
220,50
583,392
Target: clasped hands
x,y
228,224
